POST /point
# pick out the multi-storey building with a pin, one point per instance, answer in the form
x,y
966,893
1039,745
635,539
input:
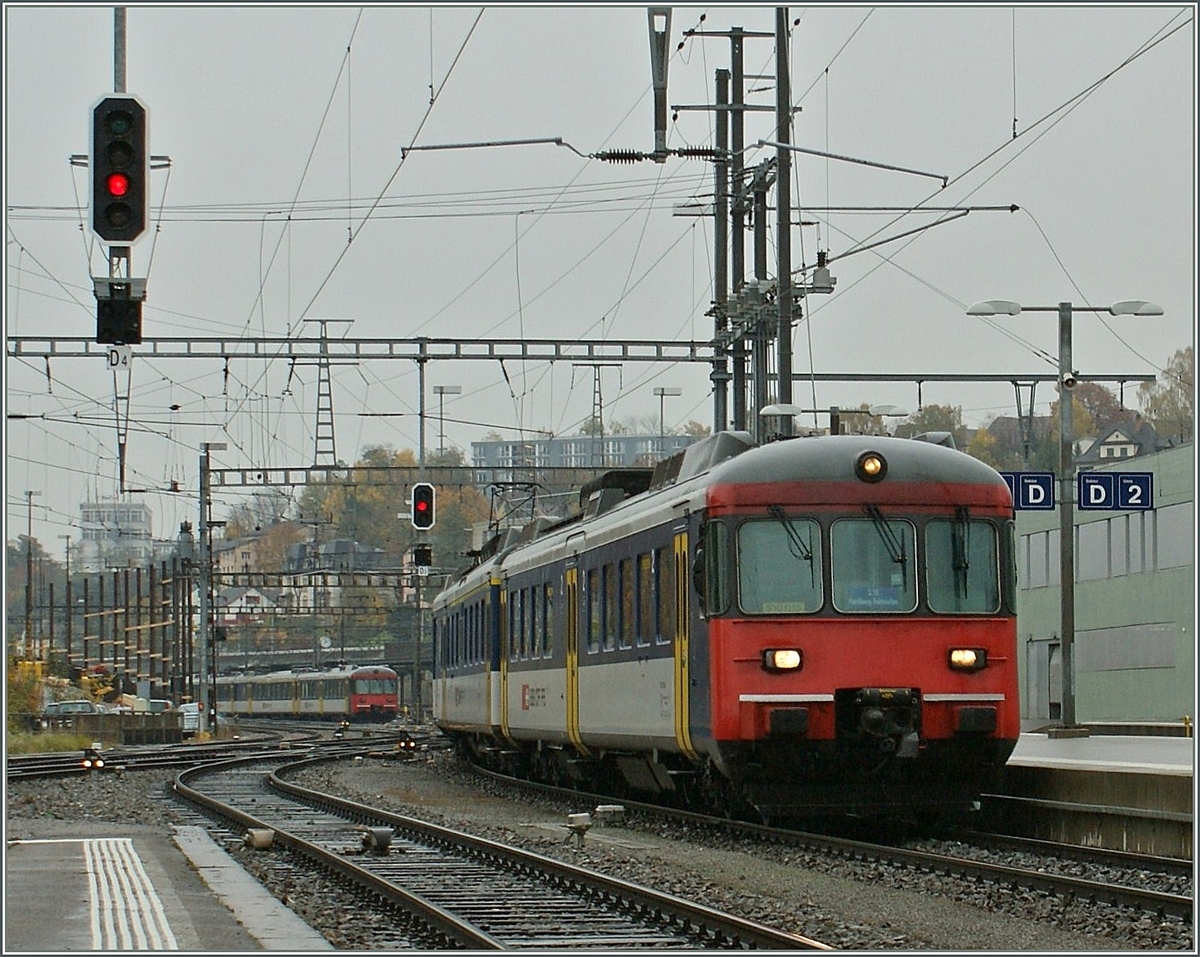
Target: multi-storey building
x,y
113,533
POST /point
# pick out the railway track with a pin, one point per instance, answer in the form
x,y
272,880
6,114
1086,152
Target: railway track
x,y
467,891
69,763
1066,871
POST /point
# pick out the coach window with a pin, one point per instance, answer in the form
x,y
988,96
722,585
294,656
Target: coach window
x,y
523,622
664,575
594,599
626,583
548,622
779,566
872,562
961,566
645,599
513,623
612,611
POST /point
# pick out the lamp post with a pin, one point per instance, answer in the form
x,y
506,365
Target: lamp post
x,y
662,391
206,637
29,571
441,391
66,597
1067,379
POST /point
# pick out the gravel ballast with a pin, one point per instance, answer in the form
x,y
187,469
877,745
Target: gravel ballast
x,y
849,905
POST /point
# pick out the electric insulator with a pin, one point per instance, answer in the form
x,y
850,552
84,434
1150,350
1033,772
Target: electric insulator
x,y
621,156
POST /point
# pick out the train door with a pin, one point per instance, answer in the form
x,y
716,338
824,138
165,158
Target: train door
x,y
504,638
680,643
571,586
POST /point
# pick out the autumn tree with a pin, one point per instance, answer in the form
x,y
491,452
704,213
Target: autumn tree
x,y
1102,406
374,513
935,418
1170,402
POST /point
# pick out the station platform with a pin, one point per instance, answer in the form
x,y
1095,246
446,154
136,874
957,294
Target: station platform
x,y
1101,749
1122,787
137,888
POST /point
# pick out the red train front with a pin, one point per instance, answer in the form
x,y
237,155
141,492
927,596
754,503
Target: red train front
x,y
372,693
858,598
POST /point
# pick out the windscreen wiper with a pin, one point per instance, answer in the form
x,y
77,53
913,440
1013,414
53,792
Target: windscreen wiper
x,y
891,541
800,549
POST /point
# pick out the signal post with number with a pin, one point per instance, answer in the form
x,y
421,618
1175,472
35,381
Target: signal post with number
x,y
119,205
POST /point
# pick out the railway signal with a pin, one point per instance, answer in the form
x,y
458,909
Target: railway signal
x,y
120,164
118,316
423,505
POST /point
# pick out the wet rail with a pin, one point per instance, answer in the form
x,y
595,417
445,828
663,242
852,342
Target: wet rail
x,y
472,892
1063,870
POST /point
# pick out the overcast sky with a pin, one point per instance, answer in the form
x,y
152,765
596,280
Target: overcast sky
x,y
291,195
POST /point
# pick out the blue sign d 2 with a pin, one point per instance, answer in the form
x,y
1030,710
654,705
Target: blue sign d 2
x,y
1115,491
1031,491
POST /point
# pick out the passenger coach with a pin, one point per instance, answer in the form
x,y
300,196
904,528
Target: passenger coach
x,y
819,625
349,693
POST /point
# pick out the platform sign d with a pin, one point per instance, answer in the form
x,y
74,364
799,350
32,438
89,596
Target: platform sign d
x,y
1031,491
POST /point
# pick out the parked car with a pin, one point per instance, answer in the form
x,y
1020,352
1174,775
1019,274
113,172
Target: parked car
x,y
78,706
60,713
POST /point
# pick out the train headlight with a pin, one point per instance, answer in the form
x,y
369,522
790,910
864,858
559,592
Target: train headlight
x,y
968,659
782,659
870,467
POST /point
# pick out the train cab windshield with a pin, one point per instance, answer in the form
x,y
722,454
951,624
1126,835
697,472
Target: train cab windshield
x,y
379,685
779,566
870,565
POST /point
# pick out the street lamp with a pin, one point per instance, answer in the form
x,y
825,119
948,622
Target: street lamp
x,y
1067,379
662,391
206,634
66,597
29,572
441,391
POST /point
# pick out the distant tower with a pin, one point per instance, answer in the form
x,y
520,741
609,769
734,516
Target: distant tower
x,y
326,451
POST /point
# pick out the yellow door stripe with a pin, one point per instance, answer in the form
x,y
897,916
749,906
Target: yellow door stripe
x,y
572,586
683,736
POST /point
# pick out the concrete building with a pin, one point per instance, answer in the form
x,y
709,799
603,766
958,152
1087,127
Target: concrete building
x,y
577,451
113,533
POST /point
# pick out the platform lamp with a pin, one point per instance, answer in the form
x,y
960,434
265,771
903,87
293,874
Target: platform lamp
x,y
441,391
1067,380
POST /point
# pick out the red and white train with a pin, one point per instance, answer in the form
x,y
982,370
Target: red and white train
x,y
348,693
820,625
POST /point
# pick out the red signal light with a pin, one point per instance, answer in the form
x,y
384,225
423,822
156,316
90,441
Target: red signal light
x,y
422,505
118,184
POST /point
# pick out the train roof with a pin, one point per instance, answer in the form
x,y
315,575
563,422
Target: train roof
x,y
832,457
728,458
291,674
